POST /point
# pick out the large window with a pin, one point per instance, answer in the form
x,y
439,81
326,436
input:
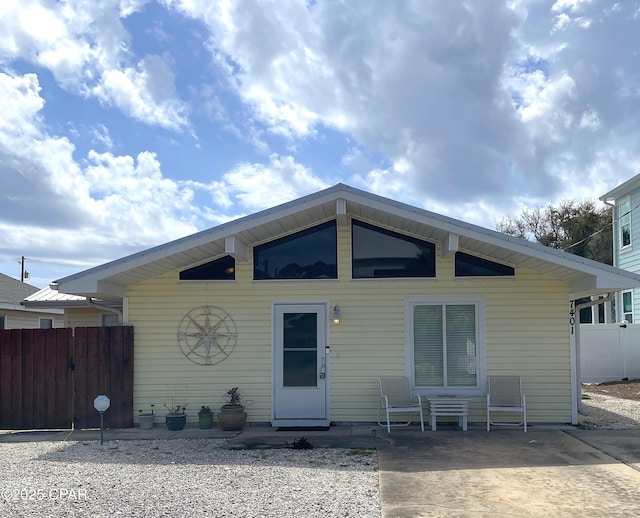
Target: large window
x,y
446,344
378,252
310,254
3,321
624,216
627,306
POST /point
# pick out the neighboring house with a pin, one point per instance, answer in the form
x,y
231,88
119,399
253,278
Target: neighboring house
x,y
625,201
303,306
78,311
15,316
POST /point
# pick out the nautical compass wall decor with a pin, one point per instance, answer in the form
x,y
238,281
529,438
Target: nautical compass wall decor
x,y
207,335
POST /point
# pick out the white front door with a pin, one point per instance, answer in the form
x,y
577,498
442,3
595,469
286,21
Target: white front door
x,y
300,370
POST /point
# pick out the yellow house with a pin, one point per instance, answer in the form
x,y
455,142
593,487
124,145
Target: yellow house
x,y
305,305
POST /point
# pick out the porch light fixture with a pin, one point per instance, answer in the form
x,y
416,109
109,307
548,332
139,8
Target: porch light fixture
x,y
337,314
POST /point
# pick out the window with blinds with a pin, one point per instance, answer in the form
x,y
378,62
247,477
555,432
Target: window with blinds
x,y
445,345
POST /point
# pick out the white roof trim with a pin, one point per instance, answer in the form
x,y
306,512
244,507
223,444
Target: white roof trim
x,y
109,281
621,190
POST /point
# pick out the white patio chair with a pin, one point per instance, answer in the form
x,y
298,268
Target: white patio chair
x,y
504,394
395,397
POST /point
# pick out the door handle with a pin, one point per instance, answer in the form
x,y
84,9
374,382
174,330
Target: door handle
x,y
323,371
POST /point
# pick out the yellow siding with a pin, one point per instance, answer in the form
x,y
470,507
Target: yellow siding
x,y
85,317
526,333
28,319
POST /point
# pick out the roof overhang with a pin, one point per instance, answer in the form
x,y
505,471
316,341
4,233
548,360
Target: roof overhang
x,y
621,190
55,301
109,281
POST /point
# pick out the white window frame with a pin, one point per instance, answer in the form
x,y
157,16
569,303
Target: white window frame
x,y
624,313
481,370
40,319
623,201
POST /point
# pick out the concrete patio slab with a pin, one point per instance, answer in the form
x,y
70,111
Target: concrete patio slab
x,y
503,473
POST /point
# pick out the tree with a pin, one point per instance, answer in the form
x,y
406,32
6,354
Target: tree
x,y
579,228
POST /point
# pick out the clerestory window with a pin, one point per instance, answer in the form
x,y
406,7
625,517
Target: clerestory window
x,y
309,254
223,269
379,253
471,266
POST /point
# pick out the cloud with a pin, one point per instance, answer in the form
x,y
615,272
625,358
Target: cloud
x,y
106,202
146,93
465,101
86,48
259,186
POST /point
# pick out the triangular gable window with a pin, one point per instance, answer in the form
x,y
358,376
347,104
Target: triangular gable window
x,y
472,266
223,269
382,253
309,254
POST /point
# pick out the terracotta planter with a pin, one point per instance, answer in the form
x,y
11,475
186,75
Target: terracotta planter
x,y
232,417
175,422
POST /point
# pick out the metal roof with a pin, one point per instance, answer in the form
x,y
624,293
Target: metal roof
x,y
49,298
110,280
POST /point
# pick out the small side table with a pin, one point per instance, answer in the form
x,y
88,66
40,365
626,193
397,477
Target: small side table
x,y
448,406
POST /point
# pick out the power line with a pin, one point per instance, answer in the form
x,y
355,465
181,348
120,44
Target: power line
x,y
613,221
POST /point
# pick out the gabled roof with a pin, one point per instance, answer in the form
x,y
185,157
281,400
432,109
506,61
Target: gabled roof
x,y
110,280
12,291
621,190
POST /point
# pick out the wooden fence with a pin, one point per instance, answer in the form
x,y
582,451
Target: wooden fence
x,y
50,377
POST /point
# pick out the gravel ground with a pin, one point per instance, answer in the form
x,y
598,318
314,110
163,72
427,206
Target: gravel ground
x,y
608,412
184,478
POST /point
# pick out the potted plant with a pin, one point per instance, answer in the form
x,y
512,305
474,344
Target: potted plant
x,y
232,415
176,416
205,418
146,419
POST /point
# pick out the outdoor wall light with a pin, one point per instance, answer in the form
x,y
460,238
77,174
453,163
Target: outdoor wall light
x,y
337,314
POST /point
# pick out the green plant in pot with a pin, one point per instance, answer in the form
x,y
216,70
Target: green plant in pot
x,y
176,416
205,418
232,415
146,419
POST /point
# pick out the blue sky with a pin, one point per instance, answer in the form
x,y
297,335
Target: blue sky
x,y
128,123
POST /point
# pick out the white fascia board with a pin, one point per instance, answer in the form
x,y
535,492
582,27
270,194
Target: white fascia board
x,y
85,282
621,190
619,277
593,285
23,308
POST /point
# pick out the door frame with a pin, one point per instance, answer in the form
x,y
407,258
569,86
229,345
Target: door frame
x,y
274,358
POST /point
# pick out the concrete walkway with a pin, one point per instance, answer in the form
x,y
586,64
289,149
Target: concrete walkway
x,y
545,472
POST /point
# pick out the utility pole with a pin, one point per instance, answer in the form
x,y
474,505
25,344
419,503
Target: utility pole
x,y
23,273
